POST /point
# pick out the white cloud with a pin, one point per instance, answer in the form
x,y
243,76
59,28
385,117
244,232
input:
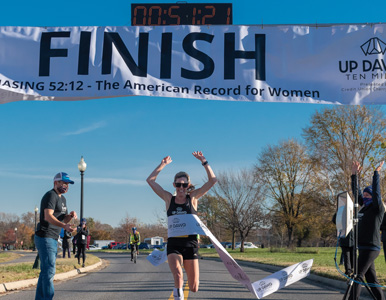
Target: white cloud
x,y
23,176
92,127
116,181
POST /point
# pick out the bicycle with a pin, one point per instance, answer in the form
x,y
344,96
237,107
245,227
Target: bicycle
x,y
135,253
135,256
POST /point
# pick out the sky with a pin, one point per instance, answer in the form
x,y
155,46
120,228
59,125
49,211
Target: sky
x,y
123,139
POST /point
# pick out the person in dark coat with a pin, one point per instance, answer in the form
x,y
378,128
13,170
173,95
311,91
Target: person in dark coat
x,y
369,239
81,242
347,246
383,235
74,245
66,245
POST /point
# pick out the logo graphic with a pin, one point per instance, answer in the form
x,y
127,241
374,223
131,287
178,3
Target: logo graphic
x,y
156,257
176,220
374,46
264,286
285,277
179,211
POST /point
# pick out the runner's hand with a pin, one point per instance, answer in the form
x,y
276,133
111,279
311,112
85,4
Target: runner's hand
x,y
199,156
167,160
380,166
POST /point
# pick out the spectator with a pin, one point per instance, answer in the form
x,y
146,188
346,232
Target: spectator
x,y
53,217
66,244
347,246
369,240
383,234
81,242
74,245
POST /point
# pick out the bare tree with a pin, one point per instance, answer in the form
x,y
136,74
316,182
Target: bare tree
x,y
285,172
28,219
122,232
8,223
209,212
240,200
341,134
99,231
152,230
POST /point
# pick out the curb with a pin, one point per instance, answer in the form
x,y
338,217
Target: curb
x,y
17,285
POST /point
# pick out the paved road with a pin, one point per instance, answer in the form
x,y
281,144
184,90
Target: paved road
x,y
122,279
26,256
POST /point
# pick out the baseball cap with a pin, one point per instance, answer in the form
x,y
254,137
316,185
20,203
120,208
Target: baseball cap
x,y
63,177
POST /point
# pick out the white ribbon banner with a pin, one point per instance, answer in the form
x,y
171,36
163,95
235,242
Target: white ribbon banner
x,y
307,64
190,224
157,257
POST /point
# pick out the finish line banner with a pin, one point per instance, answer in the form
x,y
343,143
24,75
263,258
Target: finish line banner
x,y
337,64
191,224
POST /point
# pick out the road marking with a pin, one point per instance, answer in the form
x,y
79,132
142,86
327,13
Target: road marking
x,y
186,292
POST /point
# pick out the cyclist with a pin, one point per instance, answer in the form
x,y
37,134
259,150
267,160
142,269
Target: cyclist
x,y
135,240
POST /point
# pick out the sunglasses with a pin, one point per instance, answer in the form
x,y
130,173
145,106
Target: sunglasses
x,y
184,185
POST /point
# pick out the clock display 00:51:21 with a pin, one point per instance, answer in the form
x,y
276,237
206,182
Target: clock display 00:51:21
x,y
181,14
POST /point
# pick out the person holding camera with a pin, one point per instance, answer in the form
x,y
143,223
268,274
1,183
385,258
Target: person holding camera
x,y
370,220
81,242
66,245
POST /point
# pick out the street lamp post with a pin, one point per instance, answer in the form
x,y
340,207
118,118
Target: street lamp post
x,y
36,215
82,167
15,238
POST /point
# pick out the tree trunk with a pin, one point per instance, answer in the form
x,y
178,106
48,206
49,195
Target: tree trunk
x,y
290,232
242,244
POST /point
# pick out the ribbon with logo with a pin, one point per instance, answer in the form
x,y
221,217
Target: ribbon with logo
x,y
191,224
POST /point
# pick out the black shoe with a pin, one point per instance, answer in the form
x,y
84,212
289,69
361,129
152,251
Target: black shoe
x,y
131,259
83,265
78,262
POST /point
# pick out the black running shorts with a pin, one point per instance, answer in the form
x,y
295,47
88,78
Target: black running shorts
x,y
186,252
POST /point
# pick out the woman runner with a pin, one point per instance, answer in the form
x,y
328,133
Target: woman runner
x,y
183,251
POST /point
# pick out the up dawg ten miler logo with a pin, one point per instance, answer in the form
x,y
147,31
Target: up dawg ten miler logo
x,y
373,65
176,224
263,286
305,268
285,277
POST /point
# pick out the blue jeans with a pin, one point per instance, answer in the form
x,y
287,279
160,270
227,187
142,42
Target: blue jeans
x,y
48,249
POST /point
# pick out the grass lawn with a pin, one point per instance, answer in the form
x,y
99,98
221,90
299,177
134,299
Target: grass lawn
x,y
8,256
324,263
21,271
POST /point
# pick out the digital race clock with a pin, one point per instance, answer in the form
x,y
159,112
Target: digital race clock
x,y
181,14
